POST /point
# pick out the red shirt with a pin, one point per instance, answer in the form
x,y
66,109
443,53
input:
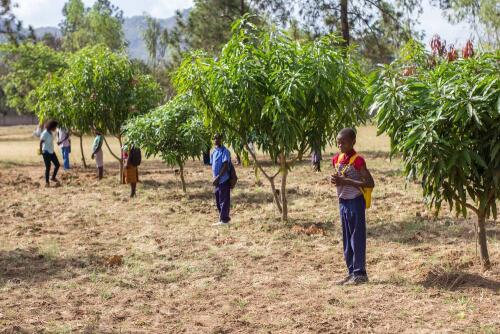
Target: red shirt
x,y
358,163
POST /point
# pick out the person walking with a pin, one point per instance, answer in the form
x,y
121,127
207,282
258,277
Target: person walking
x,y
47,151
97,153
64,141
220,161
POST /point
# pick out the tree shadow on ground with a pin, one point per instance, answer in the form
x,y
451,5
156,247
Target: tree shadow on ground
x,y
32,266
417,230
455,280
172,184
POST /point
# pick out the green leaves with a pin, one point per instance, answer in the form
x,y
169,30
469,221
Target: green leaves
x,y
175,132
445,122
283,94
28,66
98,89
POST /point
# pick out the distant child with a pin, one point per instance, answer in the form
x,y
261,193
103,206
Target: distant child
x,y
132,160
47,151
64,141
350,177
97,153
220,161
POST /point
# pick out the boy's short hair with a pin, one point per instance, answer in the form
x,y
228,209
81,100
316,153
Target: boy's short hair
x,y
52,124
350,132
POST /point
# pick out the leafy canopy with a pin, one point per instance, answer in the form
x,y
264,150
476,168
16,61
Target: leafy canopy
x,y
99,89
28,65
444,118
283,95
99,24
173,131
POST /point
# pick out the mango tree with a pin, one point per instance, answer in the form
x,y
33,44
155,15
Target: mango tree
x,y
102,90
27,66
52,104
442,115
174,131
285,94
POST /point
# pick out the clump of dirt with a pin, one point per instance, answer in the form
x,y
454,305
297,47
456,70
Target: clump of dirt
x,y
309,230
453,279
19,180
225,241
114,261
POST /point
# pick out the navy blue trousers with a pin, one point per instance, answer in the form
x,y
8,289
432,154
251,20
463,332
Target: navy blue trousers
x,y
352,216
65,154
223,201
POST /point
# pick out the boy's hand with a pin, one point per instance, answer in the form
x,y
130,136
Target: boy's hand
x,y
339,180
215,181
92,156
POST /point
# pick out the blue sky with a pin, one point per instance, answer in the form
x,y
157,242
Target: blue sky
x,y
41,13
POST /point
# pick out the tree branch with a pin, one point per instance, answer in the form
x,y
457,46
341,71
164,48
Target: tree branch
x,y
109,148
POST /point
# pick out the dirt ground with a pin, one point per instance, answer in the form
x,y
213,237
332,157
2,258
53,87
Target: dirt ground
x,y
84,258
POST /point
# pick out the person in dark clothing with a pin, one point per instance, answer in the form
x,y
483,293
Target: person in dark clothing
x,y
220,161
47,151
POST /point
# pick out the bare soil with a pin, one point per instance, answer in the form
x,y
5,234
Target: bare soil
x,y
84,258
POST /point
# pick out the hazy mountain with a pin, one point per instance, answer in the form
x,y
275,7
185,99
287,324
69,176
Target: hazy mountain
x,y
132,28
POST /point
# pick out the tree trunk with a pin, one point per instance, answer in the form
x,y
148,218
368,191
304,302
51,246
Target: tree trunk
x,y
284,203
118,158
242,7
483,246
81,150
300,156
122,177
344,22
183,182
276,195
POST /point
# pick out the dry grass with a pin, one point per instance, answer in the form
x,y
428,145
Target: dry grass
x,y
84,258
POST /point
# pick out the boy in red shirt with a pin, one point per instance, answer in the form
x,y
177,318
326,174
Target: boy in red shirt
x,y
352,175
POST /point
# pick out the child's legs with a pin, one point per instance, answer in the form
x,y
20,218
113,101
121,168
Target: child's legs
x,y
345,217
225,201
358,236
65,155
46,161
217,197
55,161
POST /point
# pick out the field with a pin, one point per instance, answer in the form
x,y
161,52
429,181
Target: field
x,y
84,258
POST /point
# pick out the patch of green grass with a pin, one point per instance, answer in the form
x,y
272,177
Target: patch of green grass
x,y
240,303
59,329
106,295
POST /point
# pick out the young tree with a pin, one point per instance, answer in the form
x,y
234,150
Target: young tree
x,y
442,115
173,131
100,90
27,65
286,95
